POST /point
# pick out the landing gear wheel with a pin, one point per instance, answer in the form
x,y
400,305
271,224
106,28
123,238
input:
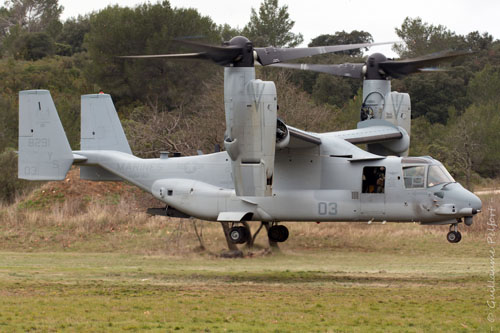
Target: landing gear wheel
x,y
284,233
246,235
454,236
238,235
278,233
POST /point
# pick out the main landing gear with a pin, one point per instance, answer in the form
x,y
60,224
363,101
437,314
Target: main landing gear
x,y
454,236
239,235
276,233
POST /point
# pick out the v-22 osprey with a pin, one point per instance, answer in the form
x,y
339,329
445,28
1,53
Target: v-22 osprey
x,y
270,171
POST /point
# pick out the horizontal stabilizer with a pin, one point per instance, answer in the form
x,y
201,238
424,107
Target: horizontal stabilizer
x,y
44,150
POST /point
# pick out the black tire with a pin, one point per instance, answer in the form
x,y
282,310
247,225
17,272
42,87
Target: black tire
x,y
278,233
450,237
454,236
246,235
236,234
273,233
283,233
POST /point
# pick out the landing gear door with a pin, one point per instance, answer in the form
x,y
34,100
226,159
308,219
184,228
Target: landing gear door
x,y
372,199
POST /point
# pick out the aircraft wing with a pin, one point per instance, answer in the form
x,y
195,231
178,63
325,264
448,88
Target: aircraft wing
x,y
302,139
372,134
340,145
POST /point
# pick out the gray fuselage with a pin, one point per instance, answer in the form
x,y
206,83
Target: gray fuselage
x,y
309,184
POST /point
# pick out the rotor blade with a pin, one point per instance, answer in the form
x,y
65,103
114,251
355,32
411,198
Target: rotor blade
x,y
273,55
228,54
432,70
201,55
220,55
398,68
347,70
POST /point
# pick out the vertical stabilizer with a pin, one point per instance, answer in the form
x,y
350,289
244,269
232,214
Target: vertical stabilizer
x,y
101,130
44,151
101,127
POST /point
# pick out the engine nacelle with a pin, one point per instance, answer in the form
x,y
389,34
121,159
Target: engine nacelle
x,y
250,139
379,102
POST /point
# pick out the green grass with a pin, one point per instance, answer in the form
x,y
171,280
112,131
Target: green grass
x,y
106,266
40,200
317,291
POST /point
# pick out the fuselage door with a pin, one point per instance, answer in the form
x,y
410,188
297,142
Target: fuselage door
x,y
372,198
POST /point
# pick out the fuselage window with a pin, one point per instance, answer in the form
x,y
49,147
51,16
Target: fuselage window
x,y
414,176
373,180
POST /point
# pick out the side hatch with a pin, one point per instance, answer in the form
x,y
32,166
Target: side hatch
x,y
372,198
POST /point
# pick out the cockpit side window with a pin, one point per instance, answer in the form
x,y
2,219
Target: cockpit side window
x,y
414,176
438,175
373,179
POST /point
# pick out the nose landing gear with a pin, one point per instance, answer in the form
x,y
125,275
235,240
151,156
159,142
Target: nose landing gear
x,y
454,236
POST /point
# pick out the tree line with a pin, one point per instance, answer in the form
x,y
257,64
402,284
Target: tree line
x,y
178,106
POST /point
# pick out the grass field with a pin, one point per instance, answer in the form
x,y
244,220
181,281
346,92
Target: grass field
x,y
109,267
315,291
306,290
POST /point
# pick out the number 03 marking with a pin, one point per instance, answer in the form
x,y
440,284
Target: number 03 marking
x,y
327,208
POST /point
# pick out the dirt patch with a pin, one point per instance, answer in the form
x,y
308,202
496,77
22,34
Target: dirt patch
x,y
74,189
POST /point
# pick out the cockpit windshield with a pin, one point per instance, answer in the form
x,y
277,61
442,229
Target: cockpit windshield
x,y
415,175
437,174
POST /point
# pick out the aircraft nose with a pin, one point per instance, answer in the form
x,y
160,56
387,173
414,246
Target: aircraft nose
x,y
466,199
475,202
471,200
458,201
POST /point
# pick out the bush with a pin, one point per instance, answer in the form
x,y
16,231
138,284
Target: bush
x,y
34,46
10,185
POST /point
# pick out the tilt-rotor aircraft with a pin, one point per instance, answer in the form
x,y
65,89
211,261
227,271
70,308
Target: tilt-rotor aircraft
x,y
269,171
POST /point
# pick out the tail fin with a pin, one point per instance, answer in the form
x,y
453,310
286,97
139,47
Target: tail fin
x,y
101,127
101,130
44,150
